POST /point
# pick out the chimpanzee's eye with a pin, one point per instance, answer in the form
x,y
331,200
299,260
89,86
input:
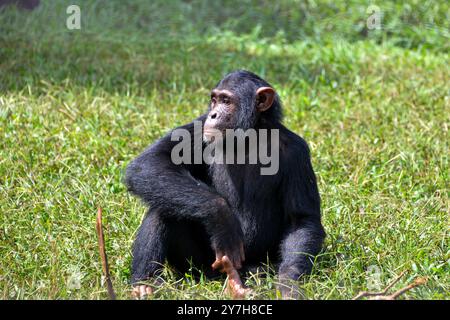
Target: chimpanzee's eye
x,y
226,100
213,100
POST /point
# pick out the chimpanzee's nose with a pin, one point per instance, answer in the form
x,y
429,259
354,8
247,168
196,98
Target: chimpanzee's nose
x,y
213,115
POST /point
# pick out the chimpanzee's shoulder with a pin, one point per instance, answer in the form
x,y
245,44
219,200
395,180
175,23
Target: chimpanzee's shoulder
x,y
292,146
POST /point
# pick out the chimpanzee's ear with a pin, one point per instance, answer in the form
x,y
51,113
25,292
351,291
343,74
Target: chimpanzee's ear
x,y
264,98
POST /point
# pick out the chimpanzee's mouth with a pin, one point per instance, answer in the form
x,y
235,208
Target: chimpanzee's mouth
x,y
212,135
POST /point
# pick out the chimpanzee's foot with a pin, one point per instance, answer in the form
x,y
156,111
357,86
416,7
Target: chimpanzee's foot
x,y
142,291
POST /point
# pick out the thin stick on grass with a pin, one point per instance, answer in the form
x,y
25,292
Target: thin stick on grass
x,y
382,295
103,256
417,282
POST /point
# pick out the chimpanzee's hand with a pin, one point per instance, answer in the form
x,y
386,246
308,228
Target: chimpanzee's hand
x,y
235,287
227,236
236,257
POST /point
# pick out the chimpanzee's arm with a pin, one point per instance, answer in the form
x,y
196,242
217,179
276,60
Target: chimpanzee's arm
x,y
160,183
301,202
173,188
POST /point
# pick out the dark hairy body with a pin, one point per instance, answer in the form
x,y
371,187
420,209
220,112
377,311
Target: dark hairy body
x,y
200,213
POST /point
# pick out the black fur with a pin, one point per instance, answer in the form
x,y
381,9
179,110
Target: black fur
x,y
194,208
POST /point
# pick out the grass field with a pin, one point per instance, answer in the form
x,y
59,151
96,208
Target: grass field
x,y
77,105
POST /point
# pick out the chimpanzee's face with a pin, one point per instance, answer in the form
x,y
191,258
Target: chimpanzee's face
x,y
223,108
236,102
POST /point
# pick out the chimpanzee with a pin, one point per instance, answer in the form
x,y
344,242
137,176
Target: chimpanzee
x,y
229,214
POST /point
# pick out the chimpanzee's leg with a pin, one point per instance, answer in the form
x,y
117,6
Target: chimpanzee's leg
x,y
150,247
177,241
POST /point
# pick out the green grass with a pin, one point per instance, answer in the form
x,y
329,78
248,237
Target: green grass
x,y
77,106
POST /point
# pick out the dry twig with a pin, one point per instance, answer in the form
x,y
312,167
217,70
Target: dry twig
x,y
101,247
382,295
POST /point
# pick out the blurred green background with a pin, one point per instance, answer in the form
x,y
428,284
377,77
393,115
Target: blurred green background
x,y
77,105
